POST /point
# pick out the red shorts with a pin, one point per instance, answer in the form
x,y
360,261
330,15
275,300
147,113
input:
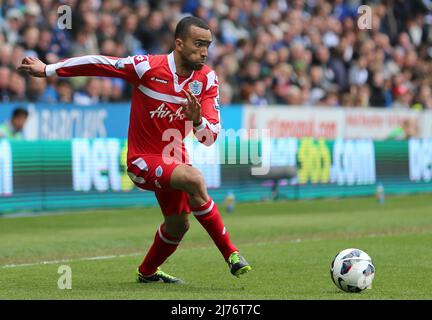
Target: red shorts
x,y
152,172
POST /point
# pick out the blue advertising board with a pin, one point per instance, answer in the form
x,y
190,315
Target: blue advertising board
x,y
108,120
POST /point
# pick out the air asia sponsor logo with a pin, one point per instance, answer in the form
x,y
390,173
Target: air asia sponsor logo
x,y
164,112
159,80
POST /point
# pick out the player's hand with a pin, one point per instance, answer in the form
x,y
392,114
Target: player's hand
x,y
33,66
192,107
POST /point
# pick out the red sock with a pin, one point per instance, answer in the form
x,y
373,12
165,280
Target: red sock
x,y
163,246
209,217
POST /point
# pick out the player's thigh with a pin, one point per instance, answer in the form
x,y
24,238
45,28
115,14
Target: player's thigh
x,y
187,178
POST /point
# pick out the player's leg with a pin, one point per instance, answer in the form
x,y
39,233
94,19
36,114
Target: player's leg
x,y
167,238
150,172
191,181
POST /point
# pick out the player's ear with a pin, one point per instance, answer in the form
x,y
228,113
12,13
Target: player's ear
x,y
179,43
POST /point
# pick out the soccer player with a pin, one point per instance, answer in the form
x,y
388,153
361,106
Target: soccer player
x,y
173,95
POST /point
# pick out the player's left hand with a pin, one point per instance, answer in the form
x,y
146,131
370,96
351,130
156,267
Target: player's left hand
x,y
192,107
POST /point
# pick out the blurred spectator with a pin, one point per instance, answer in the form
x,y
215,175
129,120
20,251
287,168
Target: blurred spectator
x,y
5,94
403,97
65,91
12,25
30,39
91,93
378,94
294,96
317,92
151,33
12,128
17,87
358,73
264,51
42,90
424,98
128,34
408,129
258,96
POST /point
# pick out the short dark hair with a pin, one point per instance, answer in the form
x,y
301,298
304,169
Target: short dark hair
x,y
19,112
184,25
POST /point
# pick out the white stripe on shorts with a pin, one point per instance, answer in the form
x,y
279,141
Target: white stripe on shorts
x,y
140,163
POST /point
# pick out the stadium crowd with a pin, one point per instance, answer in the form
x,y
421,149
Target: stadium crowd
x,y
290,52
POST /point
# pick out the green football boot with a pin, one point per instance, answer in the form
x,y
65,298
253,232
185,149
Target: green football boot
x,y
158,276
238,265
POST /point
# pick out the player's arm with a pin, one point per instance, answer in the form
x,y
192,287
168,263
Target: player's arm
x,y
205,114
91,65
209,127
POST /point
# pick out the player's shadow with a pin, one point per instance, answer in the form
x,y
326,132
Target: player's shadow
x,y
342,294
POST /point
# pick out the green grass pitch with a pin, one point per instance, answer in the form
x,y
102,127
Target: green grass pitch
x,y
289,244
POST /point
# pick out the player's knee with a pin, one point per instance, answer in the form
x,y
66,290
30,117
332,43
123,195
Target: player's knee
x,y
177,229
196,181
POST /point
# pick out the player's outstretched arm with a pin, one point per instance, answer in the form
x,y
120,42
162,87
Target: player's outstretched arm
x,y
33,66
90,65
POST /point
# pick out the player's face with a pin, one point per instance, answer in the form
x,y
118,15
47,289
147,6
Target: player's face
x,y
194,48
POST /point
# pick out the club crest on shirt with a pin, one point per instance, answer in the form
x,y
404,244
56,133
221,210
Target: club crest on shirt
x,y
195,87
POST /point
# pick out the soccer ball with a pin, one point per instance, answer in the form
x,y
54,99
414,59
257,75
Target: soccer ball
x,y
352,270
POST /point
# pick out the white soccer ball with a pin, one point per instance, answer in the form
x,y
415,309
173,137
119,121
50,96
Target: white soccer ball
x,y
352,270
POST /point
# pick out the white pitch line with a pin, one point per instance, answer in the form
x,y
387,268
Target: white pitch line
x,y
70,260
124,255
293,241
